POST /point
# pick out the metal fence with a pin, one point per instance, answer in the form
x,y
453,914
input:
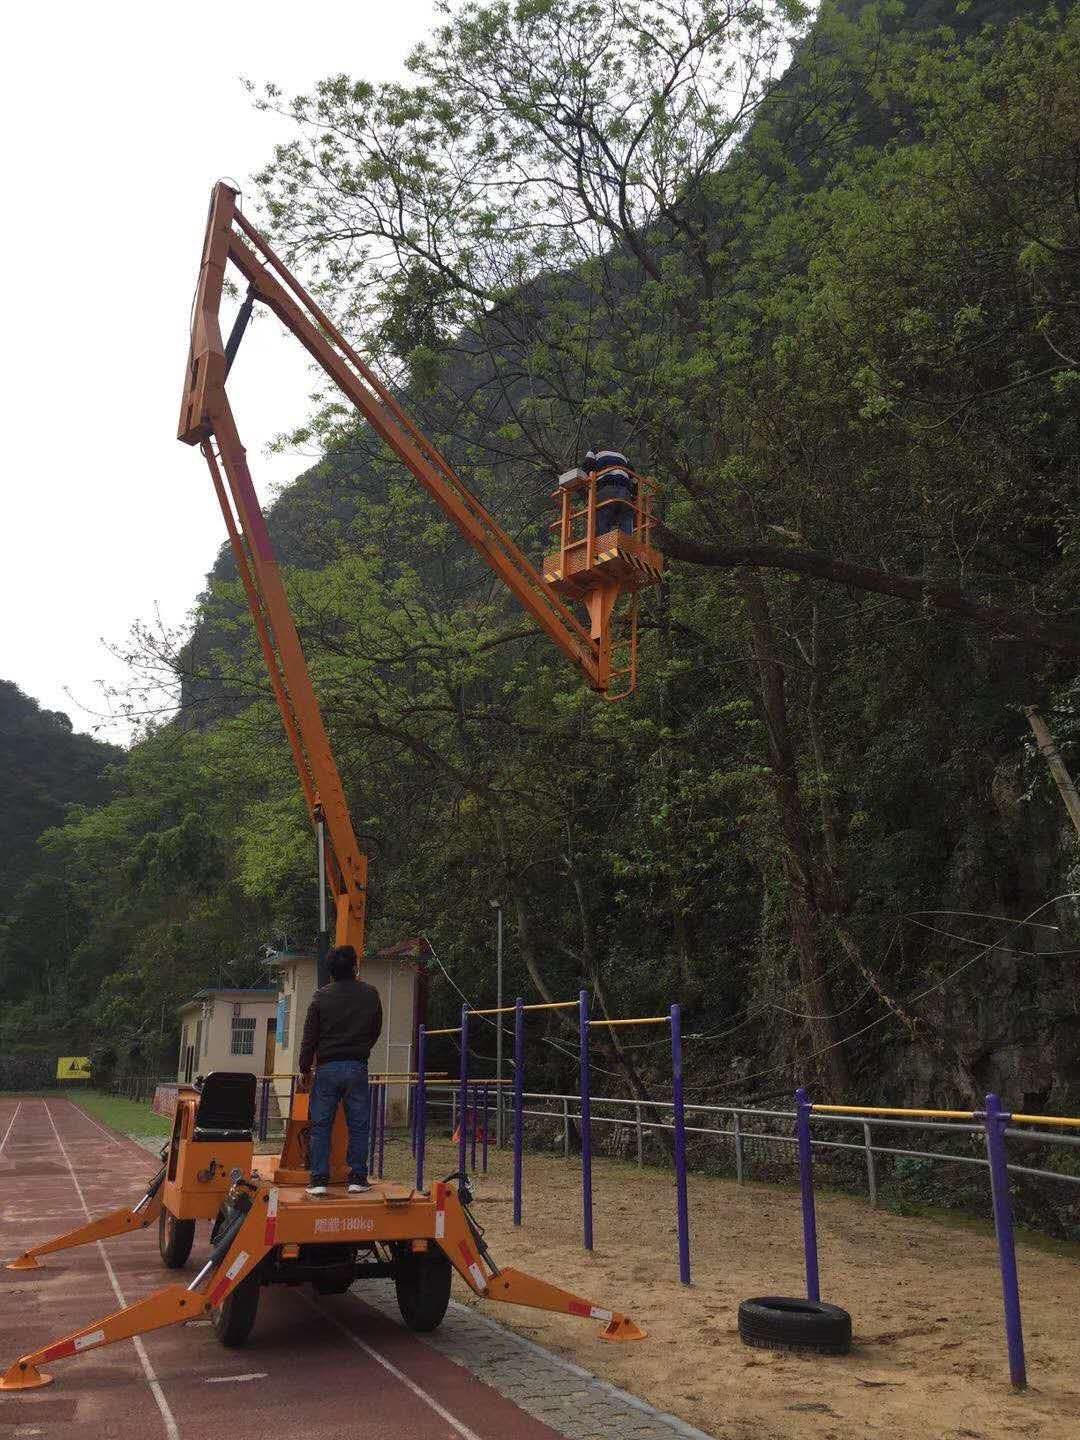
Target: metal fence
x,y
746,1133
139,1088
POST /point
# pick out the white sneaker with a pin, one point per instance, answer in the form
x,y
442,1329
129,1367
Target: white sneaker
x,y
358,1187
316,1189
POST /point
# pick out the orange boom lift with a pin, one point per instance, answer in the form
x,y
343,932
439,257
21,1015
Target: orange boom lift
x,y
265,1228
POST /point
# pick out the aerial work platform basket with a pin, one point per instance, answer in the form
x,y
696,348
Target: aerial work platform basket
x,y
602,560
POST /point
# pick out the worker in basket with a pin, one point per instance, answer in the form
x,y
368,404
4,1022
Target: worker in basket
x,y
343,1022
617,486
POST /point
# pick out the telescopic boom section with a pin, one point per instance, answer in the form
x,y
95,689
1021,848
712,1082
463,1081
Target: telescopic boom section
x,y
206,420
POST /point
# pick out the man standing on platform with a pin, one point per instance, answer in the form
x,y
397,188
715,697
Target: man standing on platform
x,y
343,1022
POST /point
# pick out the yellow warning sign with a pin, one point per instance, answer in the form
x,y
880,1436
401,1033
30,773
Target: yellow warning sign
x,y
73,1067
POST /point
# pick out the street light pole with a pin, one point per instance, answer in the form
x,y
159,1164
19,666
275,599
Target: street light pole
x,y
496,905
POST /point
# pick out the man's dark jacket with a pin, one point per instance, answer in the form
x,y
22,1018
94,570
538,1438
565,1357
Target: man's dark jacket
x,y
343,1022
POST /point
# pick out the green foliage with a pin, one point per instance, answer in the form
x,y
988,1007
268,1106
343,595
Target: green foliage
x,y
836,313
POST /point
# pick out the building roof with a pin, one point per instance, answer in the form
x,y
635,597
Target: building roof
x,y
254,992
290,957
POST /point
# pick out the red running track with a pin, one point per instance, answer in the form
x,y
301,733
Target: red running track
x,y
323,1369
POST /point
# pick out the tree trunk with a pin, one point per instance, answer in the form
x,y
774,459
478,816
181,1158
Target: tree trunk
x,y
804,910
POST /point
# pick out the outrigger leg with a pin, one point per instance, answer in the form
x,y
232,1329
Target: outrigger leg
x,y
116,1222
236,1254
170,1306
462,1240
441,1218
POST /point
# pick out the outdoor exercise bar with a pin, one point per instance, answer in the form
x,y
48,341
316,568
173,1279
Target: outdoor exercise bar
x,y
382,1126
467,1141
674,1019
519,1097
995,1122
893,1110
1068,1122
506,1009
639,1020
586,1120
806,1191
681,1206
463,1087
420,1104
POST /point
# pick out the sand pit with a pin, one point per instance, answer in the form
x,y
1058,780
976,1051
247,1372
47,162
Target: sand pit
x,y
928,1362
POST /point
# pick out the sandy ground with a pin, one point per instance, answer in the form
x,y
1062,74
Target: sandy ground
x,y
929,1354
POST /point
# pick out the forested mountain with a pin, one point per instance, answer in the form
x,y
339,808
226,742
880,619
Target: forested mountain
x,y
45,768
835,317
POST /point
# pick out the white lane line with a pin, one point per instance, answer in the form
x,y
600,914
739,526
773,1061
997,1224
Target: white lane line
x,y
111,1138
235,1379
421,1394
10,1127
172,1430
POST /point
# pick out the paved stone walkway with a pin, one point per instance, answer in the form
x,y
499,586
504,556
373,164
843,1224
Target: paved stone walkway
x,y
561,1394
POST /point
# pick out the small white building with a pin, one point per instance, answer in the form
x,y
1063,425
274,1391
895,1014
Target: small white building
x,y
228,1030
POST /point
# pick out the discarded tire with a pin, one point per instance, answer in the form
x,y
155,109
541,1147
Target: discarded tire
x,y
778,1322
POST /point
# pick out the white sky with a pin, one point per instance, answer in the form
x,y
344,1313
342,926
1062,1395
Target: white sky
x,y
117,119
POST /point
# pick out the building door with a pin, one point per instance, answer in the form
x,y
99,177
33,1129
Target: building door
x,y
189,1064
271,1045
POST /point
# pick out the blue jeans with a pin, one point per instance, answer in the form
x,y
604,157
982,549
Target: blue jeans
x,y
618,516
339,1081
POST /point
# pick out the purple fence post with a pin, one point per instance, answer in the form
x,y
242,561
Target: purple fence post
x,y
463,1093
382,1125
264,1108
586,1120
421,1104
519,1100
996,1120
472,1152
484,1133
682,1210
373,1123
806,1188
411,1103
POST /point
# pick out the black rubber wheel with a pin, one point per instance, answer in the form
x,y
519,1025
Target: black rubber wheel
x,y
234,1320
175,1239
422,1281
778,1322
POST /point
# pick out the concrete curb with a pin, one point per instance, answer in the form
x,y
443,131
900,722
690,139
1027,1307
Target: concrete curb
x,y
678,1427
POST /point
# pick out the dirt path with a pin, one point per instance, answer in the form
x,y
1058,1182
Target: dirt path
x,y
929,1357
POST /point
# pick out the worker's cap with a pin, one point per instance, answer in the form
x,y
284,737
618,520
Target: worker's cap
x,y
604,458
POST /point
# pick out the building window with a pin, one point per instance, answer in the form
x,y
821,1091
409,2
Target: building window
x,y
284,1007
243,1036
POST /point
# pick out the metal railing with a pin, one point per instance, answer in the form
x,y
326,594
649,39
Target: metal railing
x,y
743,1131
139,1088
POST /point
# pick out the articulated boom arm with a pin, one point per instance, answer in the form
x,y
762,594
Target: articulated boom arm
x,y
206,420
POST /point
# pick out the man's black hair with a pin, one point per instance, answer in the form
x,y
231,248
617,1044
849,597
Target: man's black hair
x,y
342,962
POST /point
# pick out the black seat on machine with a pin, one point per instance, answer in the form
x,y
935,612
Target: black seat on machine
x,y
226,1107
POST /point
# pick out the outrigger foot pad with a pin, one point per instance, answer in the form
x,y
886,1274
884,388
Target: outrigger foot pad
x,y
620,1328
25,1262
24,1376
